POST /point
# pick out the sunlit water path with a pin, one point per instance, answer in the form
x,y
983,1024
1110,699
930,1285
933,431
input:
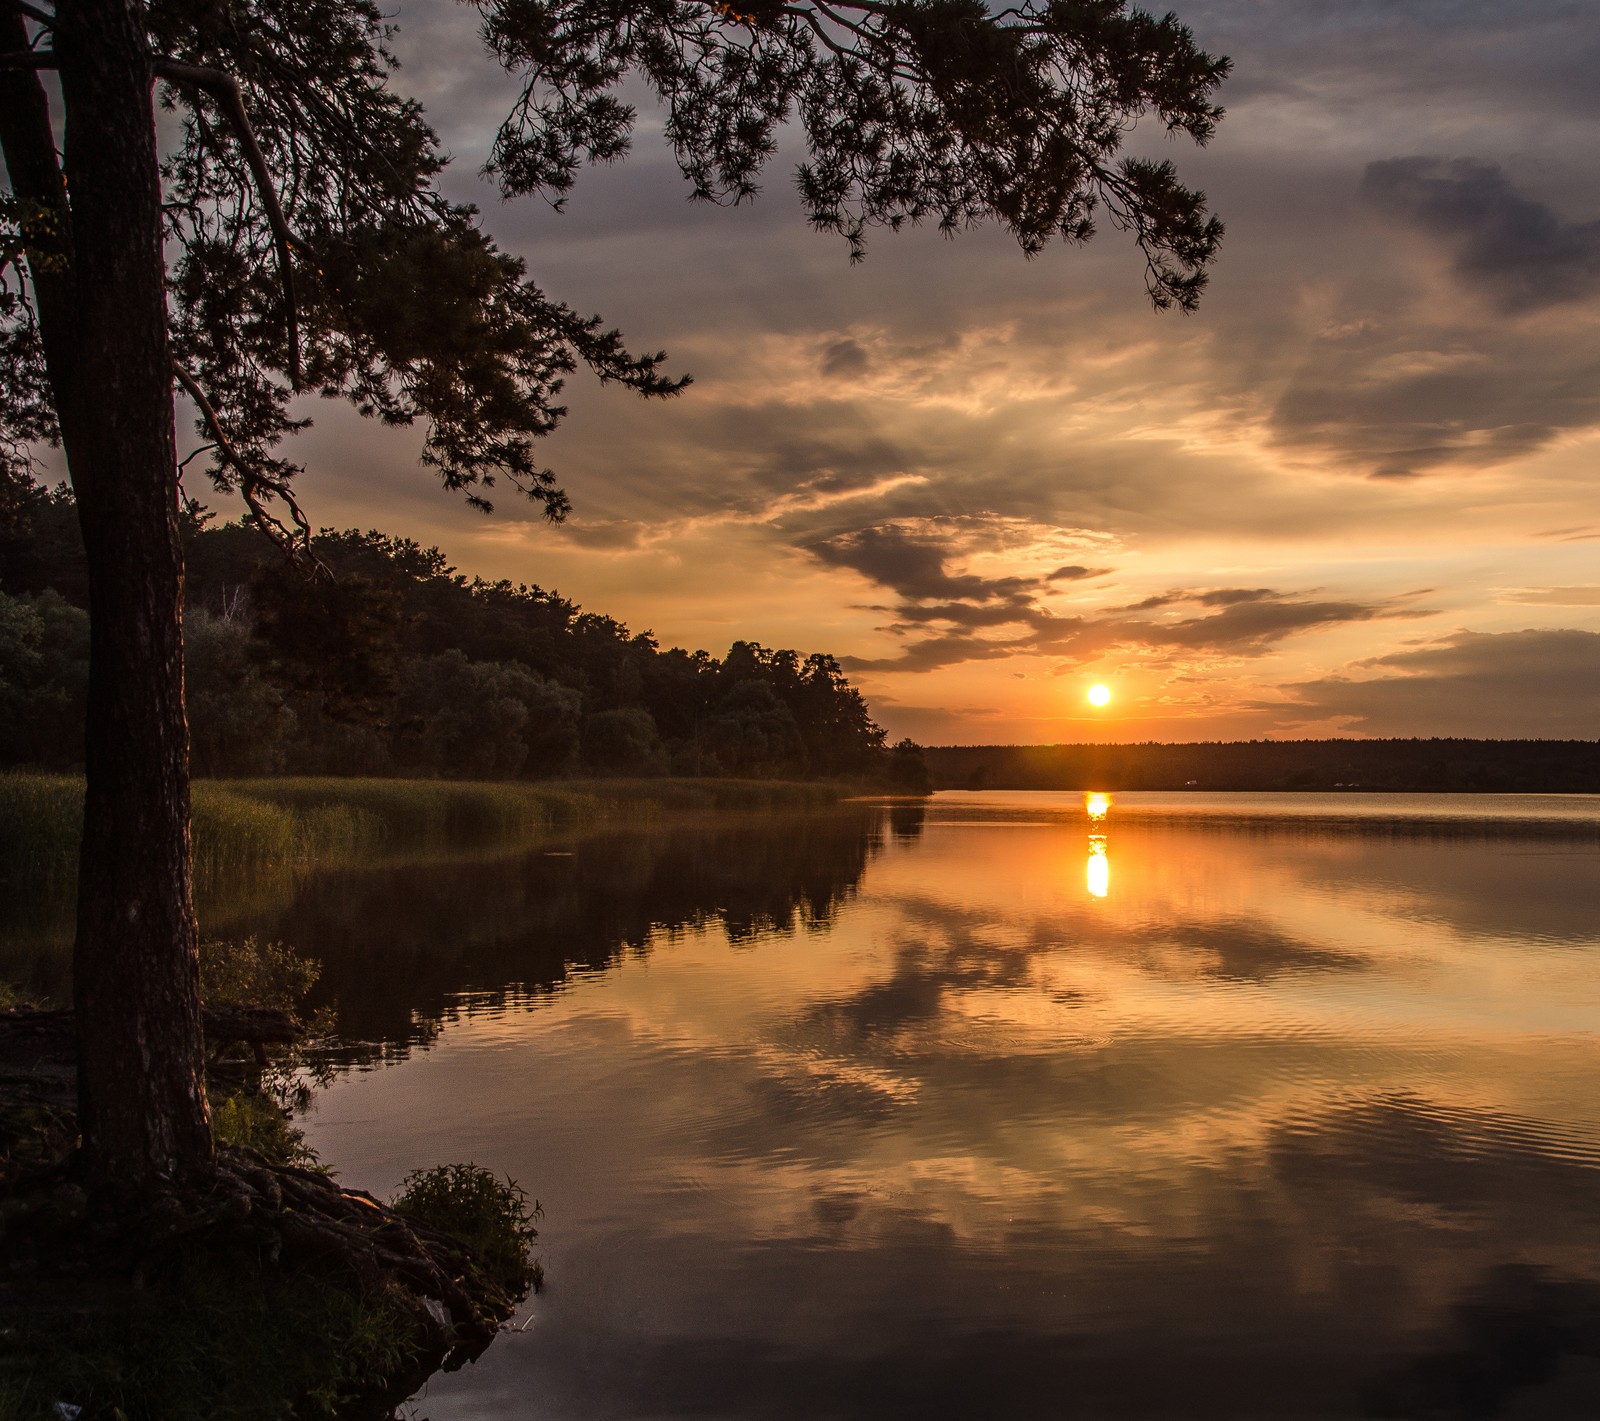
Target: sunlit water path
x,y
1195,1106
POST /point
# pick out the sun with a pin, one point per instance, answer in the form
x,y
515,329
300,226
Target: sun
x,y
1099,695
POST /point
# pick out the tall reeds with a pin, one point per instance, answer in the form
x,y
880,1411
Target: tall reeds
x,y
242,825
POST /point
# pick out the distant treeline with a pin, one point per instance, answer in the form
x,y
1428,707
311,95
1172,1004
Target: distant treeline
x,y
392,663
1526,766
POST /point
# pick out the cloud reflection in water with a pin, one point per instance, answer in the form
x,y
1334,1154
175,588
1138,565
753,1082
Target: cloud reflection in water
x,y
1276,1130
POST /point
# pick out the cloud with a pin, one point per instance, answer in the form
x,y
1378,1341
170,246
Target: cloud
x,y
912,562
928,420
1393,372
1533,683
1514,249
935,652
845,358
944,614
1253,621
1586,596
1421,389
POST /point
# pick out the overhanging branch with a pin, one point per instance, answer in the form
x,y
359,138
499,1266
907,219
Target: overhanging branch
x,y
224,88
296,541
22,59
32,12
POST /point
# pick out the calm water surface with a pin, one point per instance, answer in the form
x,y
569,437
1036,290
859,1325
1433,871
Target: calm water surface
x,y
1202,1106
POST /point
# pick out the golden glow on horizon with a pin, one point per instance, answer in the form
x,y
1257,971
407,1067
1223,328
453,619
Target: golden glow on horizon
x,y
1096,804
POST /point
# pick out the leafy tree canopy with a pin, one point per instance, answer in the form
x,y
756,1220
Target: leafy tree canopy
x,y
398,664
312,249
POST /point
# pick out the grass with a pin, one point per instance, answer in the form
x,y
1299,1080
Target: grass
x,y
41,819
221,1338
240,825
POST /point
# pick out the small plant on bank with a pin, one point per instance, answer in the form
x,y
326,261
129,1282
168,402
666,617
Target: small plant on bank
x,y
251,973
492,1217
252,1105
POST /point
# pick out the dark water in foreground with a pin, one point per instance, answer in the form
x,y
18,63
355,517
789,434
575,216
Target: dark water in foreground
x,y
1217,1106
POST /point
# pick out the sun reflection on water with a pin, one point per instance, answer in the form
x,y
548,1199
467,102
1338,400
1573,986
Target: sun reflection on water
x,y
1098,876
1099,867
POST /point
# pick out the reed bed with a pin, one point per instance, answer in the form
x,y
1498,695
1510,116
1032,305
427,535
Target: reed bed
x,y
245,825
41,820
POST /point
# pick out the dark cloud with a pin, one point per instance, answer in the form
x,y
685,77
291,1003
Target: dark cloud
x,y
1405,396
1514,249
844,358
934,652
913,563
1150,604
1253,624
946,632
957,614
1074,573
1582,534
1405,375
1532,683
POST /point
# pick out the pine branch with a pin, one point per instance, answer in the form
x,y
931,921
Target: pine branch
x,y
38,16
224,88
296,541
24,59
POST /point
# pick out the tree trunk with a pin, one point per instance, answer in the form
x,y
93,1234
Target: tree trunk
x,y
142,1106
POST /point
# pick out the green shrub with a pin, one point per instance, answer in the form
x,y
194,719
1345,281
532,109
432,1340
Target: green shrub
x,y
252,1105
251,973
490,1216
254,1120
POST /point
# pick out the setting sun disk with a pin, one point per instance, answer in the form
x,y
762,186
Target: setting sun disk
x,y
1099,695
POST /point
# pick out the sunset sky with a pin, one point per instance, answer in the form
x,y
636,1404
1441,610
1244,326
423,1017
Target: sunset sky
x,y
1355,494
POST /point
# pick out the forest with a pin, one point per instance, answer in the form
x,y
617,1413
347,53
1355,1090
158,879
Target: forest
x,y
379,658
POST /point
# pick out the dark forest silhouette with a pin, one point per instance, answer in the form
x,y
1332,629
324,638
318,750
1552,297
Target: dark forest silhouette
x,y
399,665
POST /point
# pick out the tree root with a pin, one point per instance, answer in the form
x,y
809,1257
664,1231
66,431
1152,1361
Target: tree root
x,y
292,1218
300,1217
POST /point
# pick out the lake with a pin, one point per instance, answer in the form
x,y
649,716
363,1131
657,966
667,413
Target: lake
x,y
1005,1105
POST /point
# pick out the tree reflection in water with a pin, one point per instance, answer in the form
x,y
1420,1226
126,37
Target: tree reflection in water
x,y
405,949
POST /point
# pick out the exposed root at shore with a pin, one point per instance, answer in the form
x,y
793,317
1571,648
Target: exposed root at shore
x,y
306,1218
66,1258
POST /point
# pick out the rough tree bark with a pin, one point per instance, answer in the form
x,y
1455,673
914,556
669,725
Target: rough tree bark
x,y
135,968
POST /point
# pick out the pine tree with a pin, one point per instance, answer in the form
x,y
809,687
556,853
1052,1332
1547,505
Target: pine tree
x,y
294,238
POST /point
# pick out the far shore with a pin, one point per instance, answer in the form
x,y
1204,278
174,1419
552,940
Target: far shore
x,y
1434,765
